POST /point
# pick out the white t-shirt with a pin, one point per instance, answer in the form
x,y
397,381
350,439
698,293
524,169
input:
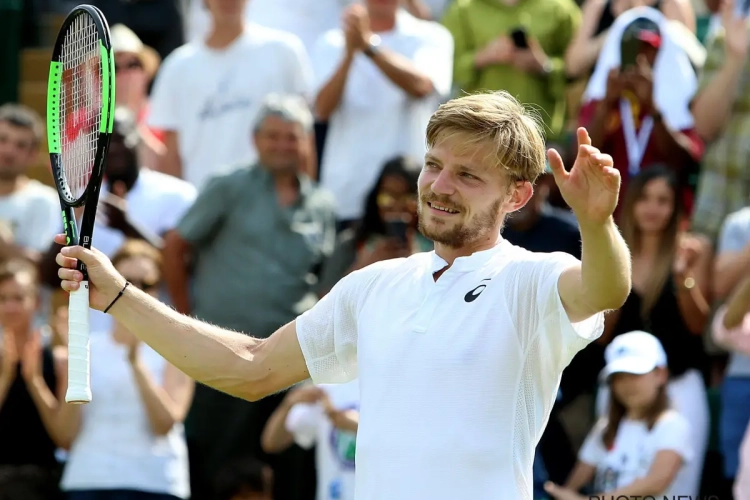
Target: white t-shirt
x,y
157,202
457,376
634,451
211,98
372,104
335,449
304,18
33,214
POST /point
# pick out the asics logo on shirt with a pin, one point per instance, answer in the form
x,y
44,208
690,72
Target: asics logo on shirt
x,y
476,292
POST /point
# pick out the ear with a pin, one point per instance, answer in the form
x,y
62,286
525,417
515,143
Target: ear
x,y
519,197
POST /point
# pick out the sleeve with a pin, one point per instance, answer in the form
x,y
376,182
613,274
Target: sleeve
x,y
303,421
301,72
539,315
733,236
176,206
435,59
326,57
204,216
592,450
328,332
696,145
46,223
164,103
672,432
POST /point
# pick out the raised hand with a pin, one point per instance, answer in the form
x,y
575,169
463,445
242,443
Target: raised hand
x,y
9,357
104,280
735,30
31,362
592,187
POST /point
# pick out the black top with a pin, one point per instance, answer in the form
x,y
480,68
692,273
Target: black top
x,y
550,233
684,349
23,438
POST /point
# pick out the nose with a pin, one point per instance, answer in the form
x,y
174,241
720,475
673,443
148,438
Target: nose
x,y
443,184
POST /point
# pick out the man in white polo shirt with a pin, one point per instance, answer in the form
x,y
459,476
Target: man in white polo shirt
x,y
458,351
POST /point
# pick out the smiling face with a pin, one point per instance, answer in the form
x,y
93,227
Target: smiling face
x,y
462,199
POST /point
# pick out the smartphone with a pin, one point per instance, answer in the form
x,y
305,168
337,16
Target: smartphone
x,y
629,49
397,229
519,38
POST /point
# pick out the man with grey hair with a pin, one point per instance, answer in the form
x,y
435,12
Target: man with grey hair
x,y
254,240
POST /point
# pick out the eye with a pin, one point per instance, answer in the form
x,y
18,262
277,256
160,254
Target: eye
x,y
467,175
430,165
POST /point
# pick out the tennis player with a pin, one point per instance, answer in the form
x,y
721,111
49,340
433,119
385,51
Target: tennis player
x,y
458,351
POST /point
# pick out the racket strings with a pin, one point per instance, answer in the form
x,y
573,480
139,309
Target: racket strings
x,y
80,103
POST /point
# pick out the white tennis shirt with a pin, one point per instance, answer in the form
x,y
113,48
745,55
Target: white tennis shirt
x,y
457,376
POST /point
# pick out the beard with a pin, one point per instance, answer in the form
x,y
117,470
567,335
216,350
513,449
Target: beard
x,y
457,234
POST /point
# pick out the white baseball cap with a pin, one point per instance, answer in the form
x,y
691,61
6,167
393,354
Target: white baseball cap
x,y
633,352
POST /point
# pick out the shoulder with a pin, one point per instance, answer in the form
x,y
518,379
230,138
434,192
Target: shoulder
x,y
181,57
169,185
37,191
672,421
515,258
271,38
428,31
60,359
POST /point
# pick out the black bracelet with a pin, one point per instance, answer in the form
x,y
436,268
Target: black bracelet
x,y
117,298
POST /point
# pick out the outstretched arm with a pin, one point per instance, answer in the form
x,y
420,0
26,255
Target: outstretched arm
x,y
227,361
591,188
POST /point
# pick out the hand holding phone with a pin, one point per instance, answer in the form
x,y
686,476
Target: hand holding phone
x,y
519,38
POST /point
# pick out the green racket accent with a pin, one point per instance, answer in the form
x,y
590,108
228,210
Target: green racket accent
x,y
111,125
106,104
53,107
65,228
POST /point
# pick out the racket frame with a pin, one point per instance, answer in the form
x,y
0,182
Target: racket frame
x,y
90,197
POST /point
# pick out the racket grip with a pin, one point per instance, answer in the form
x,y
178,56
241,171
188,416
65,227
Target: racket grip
x,y
79,360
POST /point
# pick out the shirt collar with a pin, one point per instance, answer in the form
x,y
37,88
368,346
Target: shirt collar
x,y
470,262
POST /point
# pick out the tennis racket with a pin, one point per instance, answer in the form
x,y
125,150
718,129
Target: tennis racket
x,y
80,117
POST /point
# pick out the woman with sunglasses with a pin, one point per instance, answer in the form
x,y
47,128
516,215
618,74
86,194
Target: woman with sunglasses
x,y
388,229
128,443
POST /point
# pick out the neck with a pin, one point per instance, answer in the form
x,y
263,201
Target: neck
x,y
636,413
285,180
383,23
649,246
22,333
450,254
10,186
223,33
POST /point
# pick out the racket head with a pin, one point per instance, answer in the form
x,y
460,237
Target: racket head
x,y
80,104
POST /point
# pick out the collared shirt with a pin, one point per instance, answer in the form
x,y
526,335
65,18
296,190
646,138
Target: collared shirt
x,y
255,258
457,376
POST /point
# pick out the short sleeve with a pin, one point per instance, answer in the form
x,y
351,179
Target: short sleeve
x,y
301,72
326,57
672,432
45,222
204,216
164,103
435,59
176,205
303,421
592,450
540,316
735,232
328,332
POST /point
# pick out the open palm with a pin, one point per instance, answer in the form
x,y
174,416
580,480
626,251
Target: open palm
x,y
592,187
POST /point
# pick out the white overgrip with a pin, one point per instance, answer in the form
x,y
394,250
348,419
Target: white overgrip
x,y
79,361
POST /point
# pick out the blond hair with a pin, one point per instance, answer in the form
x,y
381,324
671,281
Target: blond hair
x,y
514,132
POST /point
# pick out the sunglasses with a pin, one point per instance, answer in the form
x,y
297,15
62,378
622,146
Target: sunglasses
x,y
134,64
386,200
